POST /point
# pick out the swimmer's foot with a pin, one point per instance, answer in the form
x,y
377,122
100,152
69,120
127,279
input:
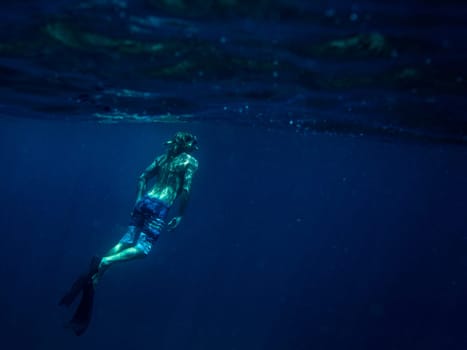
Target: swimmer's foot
x,y
95,279
95,265
103,266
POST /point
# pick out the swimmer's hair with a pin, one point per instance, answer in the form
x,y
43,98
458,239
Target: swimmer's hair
x,y
183,142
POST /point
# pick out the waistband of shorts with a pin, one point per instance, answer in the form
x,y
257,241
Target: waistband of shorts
x,y
155,200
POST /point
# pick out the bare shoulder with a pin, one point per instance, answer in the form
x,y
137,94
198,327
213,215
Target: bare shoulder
x,y
189,161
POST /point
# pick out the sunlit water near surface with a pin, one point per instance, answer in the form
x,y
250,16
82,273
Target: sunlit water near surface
x,y
387,68
328,211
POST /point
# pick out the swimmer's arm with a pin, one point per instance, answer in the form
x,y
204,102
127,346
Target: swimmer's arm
x,y
184,199
186,187
146,175
185,194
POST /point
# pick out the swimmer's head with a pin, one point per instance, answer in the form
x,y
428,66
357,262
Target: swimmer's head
x,y
182,142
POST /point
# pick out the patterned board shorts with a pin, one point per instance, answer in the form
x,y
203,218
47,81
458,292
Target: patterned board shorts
x,y
146,223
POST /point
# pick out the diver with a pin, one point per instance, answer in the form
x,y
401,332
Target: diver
x,y
173,172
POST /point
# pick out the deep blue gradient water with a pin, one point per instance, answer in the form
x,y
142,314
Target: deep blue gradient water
x,y
329,207
289,242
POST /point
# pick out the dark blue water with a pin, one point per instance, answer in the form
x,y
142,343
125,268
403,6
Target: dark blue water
x,y
289,242
329,207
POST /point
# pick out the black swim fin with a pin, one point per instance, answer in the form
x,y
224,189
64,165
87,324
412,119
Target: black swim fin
x,y
74,291
84,286
82,316
80,282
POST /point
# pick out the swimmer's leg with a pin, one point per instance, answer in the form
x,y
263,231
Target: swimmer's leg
x,y
138,251
118,248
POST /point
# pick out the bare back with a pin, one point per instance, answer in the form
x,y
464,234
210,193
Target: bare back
x,y
174,175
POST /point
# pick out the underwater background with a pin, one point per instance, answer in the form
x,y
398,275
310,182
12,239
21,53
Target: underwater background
x,y
328,211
